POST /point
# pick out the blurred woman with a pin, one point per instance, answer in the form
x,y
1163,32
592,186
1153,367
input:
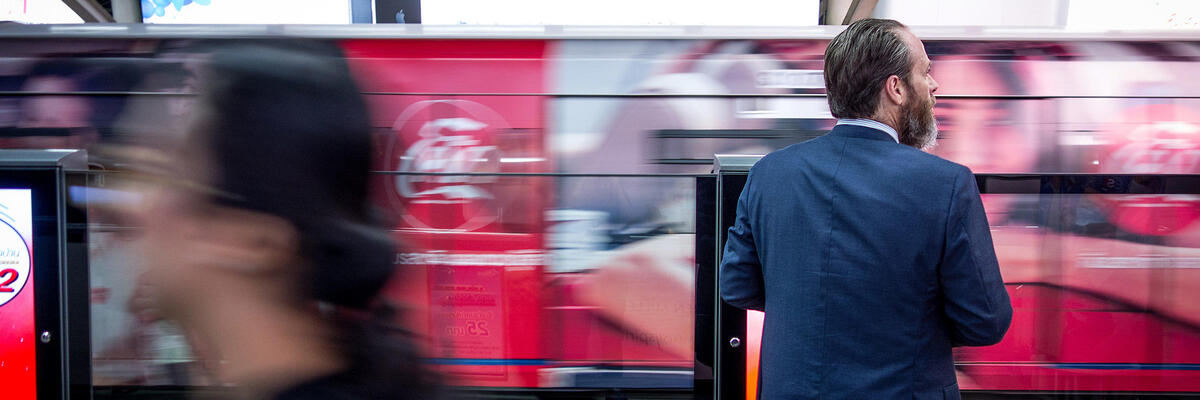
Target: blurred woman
x,y
261,242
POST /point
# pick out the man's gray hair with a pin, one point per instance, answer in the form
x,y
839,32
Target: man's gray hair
x,y
857,63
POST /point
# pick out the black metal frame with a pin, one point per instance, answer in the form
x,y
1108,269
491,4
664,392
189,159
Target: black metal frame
x,y
731,321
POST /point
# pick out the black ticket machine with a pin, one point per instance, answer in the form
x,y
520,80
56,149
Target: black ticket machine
x,y
44,338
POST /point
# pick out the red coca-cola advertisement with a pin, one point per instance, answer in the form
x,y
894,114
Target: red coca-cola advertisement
x,y
472,257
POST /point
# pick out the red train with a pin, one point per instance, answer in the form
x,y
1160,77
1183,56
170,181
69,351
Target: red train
x,y
543,187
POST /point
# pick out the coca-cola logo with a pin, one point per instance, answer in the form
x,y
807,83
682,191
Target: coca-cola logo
x,y
1160,139
435,140
1162,147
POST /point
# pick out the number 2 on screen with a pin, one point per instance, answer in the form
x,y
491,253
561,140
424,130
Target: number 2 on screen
x,y
7,277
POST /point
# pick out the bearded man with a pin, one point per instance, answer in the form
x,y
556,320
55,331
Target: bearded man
x,y
870,257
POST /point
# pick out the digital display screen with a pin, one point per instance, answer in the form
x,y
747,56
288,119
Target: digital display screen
x,y
18,369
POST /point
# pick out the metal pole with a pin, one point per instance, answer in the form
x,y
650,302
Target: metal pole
x,y
127,11
89,10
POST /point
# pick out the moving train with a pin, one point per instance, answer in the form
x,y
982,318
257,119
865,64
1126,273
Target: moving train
x,y
541,186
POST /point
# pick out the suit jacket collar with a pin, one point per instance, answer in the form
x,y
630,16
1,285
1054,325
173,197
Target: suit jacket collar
x,y
861,132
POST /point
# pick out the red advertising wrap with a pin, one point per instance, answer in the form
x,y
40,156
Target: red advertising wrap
x,y
1075,305
18,369
1154,139
588,279
472,244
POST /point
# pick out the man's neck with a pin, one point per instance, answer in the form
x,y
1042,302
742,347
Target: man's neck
x,y
886,119
872,124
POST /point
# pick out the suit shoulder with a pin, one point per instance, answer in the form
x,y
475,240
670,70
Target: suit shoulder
x,y
933,162
790,152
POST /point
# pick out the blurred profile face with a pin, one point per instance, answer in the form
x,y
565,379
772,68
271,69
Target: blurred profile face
x,y
918,126
170,214
195,248
980,133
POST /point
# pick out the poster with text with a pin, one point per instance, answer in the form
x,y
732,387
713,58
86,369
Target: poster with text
x,y
18,371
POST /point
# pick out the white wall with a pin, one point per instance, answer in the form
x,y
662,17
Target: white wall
x,y
621,12
1073,14
38,12
1134,14
1033,13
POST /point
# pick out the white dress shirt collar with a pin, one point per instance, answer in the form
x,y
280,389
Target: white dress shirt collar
x,y
870,123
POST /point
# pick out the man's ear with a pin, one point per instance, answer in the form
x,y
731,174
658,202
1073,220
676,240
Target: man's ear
x,y
894,90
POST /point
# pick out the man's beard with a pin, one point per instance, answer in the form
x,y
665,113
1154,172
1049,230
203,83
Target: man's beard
x,y
920,127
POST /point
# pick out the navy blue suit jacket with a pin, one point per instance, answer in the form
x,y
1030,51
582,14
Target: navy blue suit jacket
x,y
871,260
